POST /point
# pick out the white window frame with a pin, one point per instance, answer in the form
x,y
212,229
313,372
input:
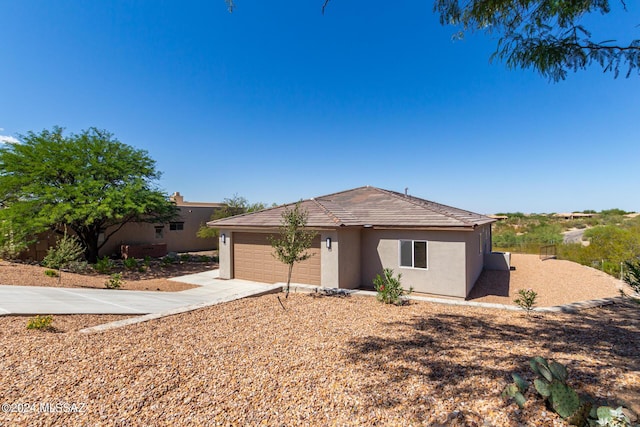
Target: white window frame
x,y
413,254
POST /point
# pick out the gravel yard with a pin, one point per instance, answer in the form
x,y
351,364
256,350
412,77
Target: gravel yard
x,y
324,361
153,279
556,282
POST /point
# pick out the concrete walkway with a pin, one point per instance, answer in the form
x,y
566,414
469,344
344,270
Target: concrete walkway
x,y
32,300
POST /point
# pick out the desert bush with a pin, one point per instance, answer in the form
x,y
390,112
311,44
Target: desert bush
x,y
68,249
632,274
40,322
104,265
51,273
114,282
389,289
130,263
526,299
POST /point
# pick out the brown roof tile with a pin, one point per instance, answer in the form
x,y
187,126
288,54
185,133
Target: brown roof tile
x,y
365,206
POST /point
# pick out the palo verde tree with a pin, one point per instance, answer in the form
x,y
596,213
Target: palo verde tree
x,y
89,182
291,245
236,205
548,36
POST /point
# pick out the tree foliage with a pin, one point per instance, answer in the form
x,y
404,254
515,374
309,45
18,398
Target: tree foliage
x,y
294,239
89,182
236,205
546,35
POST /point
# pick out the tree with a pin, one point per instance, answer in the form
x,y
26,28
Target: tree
x,y
294,239
235,205
90,182
66,252
546,35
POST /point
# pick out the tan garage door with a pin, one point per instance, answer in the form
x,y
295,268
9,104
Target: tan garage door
x,y
253,260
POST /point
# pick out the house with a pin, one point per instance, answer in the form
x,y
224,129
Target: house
x,y
438,249
176,236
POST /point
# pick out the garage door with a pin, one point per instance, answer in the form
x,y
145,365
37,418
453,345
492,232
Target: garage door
x,y
253,260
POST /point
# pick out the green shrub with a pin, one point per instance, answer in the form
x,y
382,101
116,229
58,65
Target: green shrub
x,y
632,274
185,257
40,322
104,265
114,282
130,263
51,273
389,289
68,249
78,266
526,300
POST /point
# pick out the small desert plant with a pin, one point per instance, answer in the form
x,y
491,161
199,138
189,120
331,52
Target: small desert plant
x,y
104,265
114,282
130,263
185,257
40,322
526,299
632,275
78,266
389,289
551,385
67,250
51,273
147,261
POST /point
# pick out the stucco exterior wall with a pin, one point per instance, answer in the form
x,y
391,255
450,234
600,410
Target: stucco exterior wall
x,y
329,260
350,259
225,253
446,272
184,240
478,244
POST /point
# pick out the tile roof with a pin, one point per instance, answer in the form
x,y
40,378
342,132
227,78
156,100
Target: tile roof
x,y
364,206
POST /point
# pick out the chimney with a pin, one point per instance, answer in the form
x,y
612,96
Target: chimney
x,y
176,197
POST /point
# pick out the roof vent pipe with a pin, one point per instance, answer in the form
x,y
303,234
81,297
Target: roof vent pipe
x,y
406,191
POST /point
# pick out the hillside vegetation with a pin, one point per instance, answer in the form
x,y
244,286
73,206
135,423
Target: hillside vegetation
x,y
611,237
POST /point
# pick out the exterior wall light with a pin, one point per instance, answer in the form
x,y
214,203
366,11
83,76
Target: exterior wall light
x,y
328,242
224,238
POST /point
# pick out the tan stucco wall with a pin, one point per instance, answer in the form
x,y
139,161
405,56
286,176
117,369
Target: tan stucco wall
x,y
478,244
446,272
329,260
225,252
177,240
340,265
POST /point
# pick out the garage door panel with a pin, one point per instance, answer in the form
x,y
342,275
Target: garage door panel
x,y
253,260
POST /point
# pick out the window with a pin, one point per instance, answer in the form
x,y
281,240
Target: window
x,y
159,231
413,253
176,226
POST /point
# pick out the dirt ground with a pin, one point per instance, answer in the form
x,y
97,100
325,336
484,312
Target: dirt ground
x,y
153,278
323,361
556,282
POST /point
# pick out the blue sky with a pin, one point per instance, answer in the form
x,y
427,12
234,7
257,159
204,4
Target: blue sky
x,y
277,102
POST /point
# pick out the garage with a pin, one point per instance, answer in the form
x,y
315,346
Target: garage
x,y
253,260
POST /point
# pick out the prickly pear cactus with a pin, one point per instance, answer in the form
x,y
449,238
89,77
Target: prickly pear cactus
x,y
558,371
563,399
542,387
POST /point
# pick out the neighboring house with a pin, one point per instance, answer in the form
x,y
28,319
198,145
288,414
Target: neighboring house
x,y
438,249
179,236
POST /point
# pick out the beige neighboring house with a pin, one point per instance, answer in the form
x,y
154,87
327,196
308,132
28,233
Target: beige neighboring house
x,y
179,235
438,249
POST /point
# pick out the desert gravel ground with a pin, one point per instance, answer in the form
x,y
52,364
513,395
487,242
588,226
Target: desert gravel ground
x,y
324,361
556,282
154,279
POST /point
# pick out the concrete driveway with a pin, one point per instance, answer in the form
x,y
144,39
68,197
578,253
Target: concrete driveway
x,y
32,300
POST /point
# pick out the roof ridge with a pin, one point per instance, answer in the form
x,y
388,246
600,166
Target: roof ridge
x,y
330,214
420,203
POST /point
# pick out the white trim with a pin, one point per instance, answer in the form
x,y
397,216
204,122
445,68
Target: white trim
x,y
413,254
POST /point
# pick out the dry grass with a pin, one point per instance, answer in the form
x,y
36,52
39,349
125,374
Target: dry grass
x,y
324,361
